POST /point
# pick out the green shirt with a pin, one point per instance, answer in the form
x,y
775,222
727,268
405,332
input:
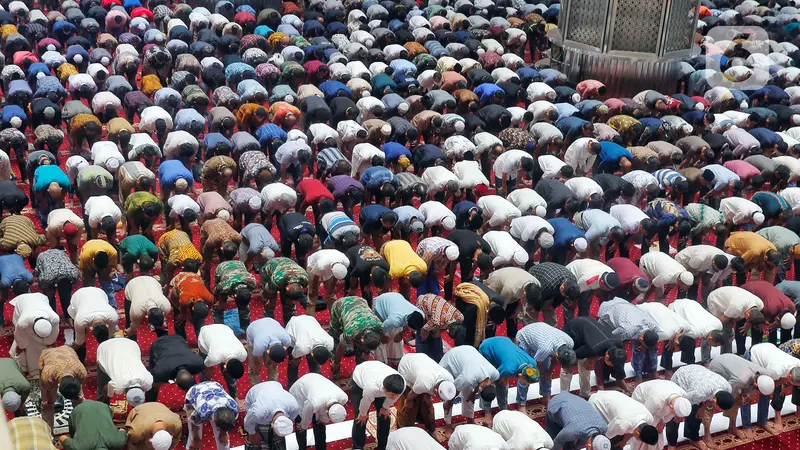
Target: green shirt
x,y
351,316
138,245
11,378
91,427
230,275
136,201
782,238
94,180
277,273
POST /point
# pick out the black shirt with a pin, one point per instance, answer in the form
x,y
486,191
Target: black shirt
x,y
11,196
171,353
554,192
426,156
362,259
292,225
468,243
610,182
591,338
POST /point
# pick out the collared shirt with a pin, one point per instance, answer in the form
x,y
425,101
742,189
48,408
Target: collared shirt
x,y
702,322
627,320
438,312
737,210
468,366
596,224
369,376
782,238
306,334
422,374
739,372
577,419
550,277
669,322
315,394
219,344
264,333
321,262
121,360
777,363
206,398
656,396
30,433
411,438
526,200
541,340
698,258
393,309
588,272
89,304
629,217
510,282
732,302
56,363
432,251
699,383
263,401
660,268
749,246
622,413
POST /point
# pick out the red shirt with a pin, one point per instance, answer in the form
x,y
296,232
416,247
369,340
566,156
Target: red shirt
x,y
775,301
313,191
626,269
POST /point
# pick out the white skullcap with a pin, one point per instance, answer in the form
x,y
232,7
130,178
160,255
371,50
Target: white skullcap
x,y
601,442
743,105
40,75
795,119
16,122
580,245
758,218
267,253
135,396
449,223
369,43
540,211
417,226
699,106
686,278
546,240
687,128
339,271
11,401
365,93
403,107
337,413
283,426
459,126
447,391
78,58
161,440
520,257
682,407
576,98
254,203
451,252
112,164
288,99
386,130
788,321
51,47
49,112
104,61
42,328
181,183
766,385
223,214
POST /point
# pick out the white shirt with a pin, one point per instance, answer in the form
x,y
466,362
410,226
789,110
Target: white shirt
x,y
455,146
470,175
322,132
271,196
89,304
698,258
121,359
656,396
526,200
362,157
792,197
437,177
660,268
498,209
505,249
550,165
475,437
622,413
520,431
27,309
98,207
777,362
148,117
578,156
527,227
792,163
702,322
219,344
422,374
485,141
669,322
435,212
315,394
307,334
180,203
508,163
732,302
175,139
145,292
411,438
583,187
588,272
629,216
5,166
640,180
369,376
737,210
320,263
287,154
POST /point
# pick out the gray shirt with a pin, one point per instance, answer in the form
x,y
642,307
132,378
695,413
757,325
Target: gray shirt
x,y
739,372
468,367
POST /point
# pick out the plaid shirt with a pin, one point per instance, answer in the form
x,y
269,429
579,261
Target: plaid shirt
x,y
432,251
30,433
699,383
541,340
577,419
551,276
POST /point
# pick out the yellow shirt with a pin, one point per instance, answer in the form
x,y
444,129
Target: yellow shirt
x,y
750,246
402,259
91,248
175,246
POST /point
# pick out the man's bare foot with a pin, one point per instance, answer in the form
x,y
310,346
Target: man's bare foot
x,y
711,444
739,433
773,429
750,434
701,445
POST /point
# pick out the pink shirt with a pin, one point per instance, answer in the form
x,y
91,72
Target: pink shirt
x,y
588,88
211,202
744,169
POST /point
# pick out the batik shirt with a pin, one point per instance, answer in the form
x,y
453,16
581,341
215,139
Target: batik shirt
x,y
206,398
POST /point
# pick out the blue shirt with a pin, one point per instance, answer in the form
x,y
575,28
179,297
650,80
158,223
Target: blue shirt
x,y
610,155
504,354
12,268
263,401
269,132
171,171
264,333
722,176
370,216
258,238
771,203
393,309
576,418
394,151
44,175
766,137
486,91
375,177
565,232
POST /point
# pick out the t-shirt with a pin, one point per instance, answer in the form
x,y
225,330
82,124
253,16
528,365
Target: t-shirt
x,y
402,259
363,258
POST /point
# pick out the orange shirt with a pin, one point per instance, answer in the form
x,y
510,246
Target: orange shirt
x,y
749,246
190,288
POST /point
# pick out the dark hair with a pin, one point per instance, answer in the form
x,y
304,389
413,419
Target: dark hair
x,y
229,250
628,189
200,310
388,189
532,293
568,172
394,383
70,387
617,356
649,434
652,190
650,339
108,224
572,206
738,264
783,172
304,242
100,332
617,233
571,289
243,296
379,276
277,353
488,393
457,331
526,164
150,209
725,400
372,340
773,256
684,227
566,356
295,291
320,354
225,418
708,175
484,262
715,335
416,279
234,368
720,262
681,186
191,265
415,320
390,217
184,379
190,215
756,318
19,287
146,262
156,317
101,260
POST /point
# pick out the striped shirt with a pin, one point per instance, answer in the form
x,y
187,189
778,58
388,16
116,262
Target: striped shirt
x,y
16,230
762,163
667,177
336,224
406,181
327,159
432,249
